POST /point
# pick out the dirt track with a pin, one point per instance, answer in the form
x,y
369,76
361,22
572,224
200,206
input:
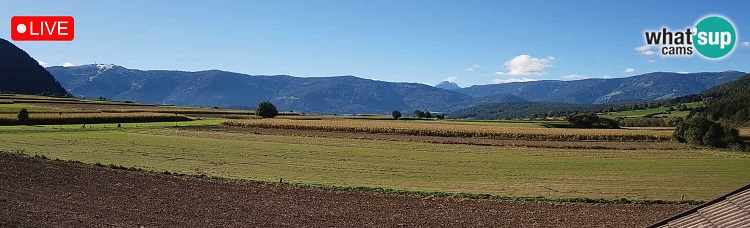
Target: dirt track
x,y
41,193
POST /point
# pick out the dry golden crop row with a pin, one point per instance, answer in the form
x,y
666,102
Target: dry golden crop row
x,y
456,130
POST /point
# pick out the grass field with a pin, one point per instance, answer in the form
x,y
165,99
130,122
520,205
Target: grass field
x,y
14,108
345,157
664,110
505,171
10,104
51,110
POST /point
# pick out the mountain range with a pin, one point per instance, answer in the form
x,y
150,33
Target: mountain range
x,y
343,94
349,94
639,88
19,73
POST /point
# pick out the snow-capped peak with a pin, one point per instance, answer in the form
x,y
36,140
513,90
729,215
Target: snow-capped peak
x,y
104,67
101,68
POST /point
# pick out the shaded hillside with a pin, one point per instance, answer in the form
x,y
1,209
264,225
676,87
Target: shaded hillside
x,y
729,102
640,88
345,94
22,74
517,110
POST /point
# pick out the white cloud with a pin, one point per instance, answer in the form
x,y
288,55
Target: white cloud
x,y
509,80
473,67
67,64
683,72
746,44
526,65
629,70
652,60
574,77
42,63
646,50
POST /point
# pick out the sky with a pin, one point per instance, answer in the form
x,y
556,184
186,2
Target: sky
x,y
469,42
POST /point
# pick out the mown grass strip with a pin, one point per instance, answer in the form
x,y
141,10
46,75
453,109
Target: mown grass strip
x,y
419,194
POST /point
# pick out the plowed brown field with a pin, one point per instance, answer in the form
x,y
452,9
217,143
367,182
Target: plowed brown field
x,y
41,193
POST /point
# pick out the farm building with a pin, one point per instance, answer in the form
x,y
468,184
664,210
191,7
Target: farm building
x,y
730,210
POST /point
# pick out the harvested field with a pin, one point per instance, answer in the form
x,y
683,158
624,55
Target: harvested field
x,y
37,104
128,108
41,193
669,145
648,174
452,129
91,118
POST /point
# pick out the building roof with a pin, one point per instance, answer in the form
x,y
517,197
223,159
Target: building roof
x,y
730,210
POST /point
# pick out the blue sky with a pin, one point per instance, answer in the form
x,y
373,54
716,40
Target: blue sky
x,y
470,42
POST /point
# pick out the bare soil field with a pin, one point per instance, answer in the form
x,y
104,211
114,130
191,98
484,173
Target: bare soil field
x,y
36,192
483,141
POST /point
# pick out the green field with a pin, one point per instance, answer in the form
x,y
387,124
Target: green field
x,y
14,108
505,171
654,111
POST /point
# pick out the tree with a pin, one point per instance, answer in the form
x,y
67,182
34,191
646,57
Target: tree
x,y
731,138
419,114
701,131
266,110
591,120
583,120
427,114
693,130
440,116
714,135
23,116
396,115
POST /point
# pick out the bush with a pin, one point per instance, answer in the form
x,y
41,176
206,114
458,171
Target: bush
x,y
701,131
23,116
591,120
266,110
396,115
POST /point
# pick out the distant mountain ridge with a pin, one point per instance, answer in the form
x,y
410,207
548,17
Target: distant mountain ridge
x,y
448,85
19,73
342,94
349,94
639,88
